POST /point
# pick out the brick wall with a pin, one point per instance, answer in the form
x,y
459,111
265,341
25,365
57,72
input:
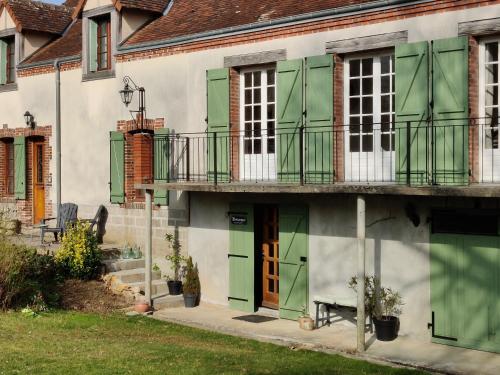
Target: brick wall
x,y
338,114
474,145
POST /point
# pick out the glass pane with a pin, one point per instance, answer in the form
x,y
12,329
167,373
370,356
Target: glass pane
x,y
354,106
385,84
248,79
386,103
354,124
256,112
492,52
248,113
367,86
385,141
271,268
354,143
367,143
354,68
256,96
354,87
248,146
491,73
248,96
367,67
386,123
491,95
270,146
367,126
256,79
270,77
257,146
270,94
368,105
270,128
248,130
385,64
271,285
257,129
271,252
270,111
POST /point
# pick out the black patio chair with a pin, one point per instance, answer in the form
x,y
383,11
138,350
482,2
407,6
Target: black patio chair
x,y
99,223
68,214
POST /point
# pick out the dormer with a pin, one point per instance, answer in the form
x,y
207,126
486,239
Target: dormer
x,y
106,23
25,27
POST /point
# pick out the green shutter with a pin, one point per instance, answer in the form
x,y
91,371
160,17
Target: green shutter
x,y
290,82
218,122
241,258
293,240
92,45
161,165
3,62
117,164
20,167
412,105
451,104
319,119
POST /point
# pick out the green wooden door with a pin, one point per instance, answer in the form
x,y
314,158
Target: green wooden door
x,y
319,119
20,167
412,105
450,107
117,167
465,290
293,244
161,164
218,124
241,257
290,89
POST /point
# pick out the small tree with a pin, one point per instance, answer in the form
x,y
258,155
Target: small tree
x,y
176,259
192,280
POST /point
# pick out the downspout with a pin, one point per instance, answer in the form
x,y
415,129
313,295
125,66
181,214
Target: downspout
x,y
57,67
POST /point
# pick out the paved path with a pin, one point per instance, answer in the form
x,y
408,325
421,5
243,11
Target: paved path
x,y
340,338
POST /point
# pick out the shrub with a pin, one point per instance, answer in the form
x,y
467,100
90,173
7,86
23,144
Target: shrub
x,y
79,256
192,281
26,278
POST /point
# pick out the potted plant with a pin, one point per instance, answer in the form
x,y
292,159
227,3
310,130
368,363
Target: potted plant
x,y
141,306
192,286
176,260
305,321
383,305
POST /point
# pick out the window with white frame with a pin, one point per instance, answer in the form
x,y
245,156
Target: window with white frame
x,y
491,104
369,115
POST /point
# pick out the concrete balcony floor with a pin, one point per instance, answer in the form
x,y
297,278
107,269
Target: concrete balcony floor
x,y
340,338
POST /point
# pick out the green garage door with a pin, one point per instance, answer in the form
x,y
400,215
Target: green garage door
x,y
465,290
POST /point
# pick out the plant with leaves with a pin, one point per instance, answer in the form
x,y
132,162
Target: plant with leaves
x,y
192,280
79,256
176,259
372,283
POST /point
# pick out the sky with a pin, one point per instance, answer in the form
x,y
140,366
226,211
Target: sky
x,y
53,1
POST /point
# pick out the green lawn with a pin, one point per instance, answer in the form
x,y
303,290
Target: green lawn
x,y
76,343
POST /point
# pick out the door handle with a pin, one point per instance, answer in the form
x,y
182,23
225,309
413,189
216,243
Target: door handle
x,y
303,259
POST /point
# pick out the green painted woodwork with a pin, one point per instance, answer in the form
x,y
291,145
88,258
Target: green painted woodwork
x,y
161,166
20,167
92,45
117,167
293,240
290,89
465,290
218,122
412,105
450,98
319,119
3,62
241,258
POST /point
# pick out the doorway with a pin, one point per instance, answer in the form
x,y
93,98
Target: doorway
x,y
38,182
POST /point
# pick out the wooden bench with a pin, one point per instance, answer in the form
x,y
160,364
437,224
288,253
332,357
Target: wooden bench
x,y
333,303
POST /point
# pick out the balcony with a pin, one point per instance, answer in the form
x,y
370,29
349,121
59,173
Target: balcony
x,y
458,157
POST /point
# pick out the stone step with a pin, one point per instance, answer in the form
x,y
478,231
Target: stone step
x,y
158,287
114,265
165,302
134,275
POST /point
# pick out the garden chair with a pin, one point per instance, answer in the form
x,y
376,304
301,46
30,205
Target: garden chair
x,y
98,222
68,214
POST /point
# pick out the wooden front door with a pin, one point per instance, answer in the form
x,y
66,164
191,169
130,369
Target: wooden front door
x,y
270,258
38,183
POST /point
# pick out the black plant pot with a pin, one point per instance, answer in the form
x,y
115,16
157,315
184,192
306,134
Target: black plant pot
x,y
190,300
174,287
387,328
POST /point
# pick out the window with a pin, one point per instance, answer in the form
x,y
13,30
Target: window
x,y
491,104
9,167
103,44
8,60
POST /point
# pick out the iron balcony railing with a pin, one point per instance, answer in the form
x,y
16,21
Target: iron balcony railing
x,y
438,152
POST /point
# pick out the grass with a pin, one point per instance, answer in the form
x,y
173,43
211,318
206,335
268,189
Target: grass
x,y
79,343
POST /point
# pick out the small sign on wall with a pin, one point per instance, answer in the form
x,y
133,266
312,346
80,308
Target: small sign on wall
x,y
238,220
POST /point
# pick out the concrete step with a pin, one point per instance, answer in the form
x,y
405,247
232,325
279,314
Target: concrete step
x,y
115,265
165,302
158,287
134,275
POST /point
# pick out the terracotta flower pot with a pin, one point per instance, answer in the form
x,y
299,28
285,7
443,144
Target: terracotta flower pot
x,y
141,307
306,323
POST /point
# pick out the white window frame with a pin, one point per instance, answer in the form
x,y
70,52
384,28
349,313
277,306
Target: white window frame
x,y
258,167
489,158
361,166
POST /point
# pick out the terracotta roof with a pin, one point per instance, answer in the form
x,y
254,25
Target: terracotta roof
x,y
157,6
187,17
39,16
68,45
71,3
